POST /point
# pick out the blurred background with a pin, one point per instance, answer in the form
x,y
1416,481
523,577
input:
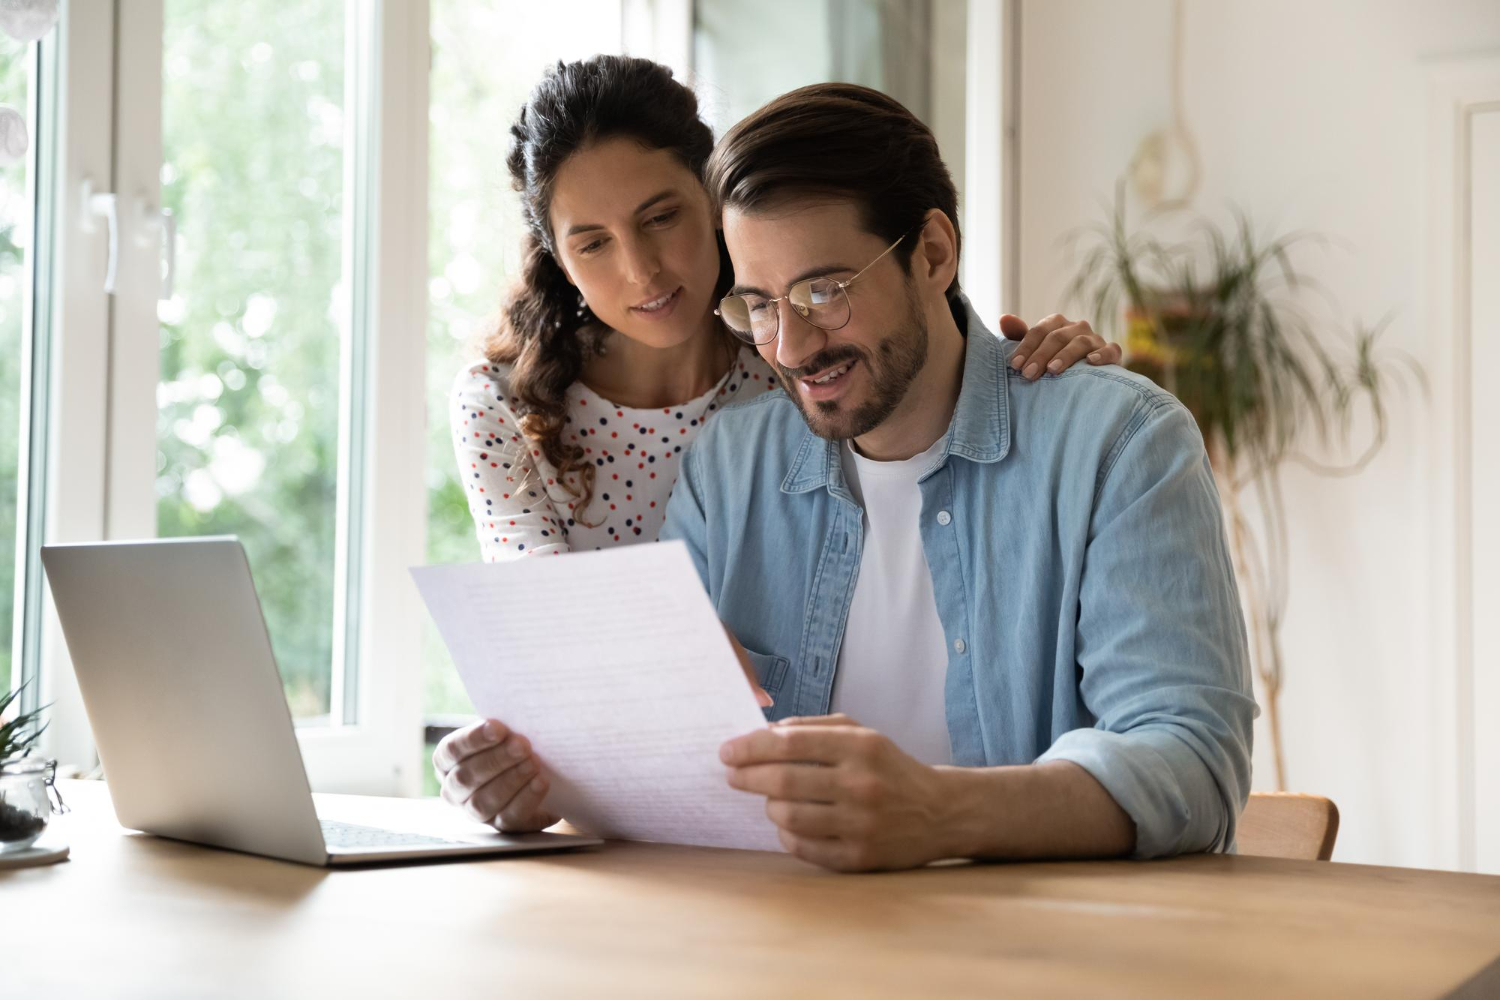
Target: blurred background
x,y
244,248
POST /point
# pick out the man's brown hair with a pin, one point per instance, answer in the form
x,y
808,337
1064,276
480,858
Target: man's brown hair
x,y
842,140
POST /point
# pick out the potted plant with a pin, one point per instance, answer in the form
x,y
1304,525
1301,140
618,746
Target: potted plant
x,y
1217,319
25,781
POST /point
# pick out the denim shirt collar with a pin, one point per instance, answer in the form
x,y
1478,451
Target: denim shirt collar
x,y
980,430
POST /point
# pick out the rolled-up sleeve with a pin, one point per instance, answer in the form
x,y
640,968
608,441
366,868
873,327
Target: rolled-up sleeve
x,y
1161,644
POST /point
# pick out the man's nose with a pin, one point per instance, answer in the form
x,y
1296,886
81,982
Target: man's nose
x,y
797,340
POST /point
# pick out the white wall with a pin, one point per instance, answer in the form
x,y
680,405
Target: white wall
x,y
1309,116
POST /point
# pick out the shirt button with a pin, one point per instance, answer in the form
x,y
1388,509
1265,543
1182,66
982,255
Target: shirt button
x,y
959,646
944,517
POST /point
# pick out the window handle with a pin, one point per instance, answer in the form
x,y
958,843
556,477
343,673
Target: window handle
x,y
102,205
156,229
169,252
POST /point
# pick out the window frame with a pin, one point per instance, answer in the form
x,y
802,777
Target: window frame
x,y
73,506
35,366
103,402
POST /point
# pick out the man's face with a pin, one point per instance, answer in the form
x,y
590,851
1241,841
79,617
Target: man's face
x,y
846,381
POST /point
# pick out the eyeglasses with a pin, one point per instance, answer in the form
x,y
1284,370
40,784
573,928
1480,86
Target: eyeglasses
x,y
822,302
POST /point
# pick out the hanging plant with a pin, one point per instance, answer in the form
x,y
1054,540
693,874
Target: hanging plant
x,y
1216,321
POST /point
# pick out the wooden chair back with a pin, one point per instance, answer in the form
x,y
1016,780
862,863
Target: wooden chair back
x,y
1288,825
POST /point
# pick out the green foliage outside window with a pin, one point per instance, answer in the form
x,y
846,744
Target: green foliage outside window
x,y
253,136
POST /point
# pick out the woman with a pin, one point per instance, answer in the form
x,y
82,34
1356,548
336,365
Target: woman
x,y
608,358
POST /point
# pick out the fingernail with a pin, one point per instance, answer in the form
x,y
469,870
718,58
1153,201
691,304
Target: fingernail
x,y
1017,360
537,784
764,698
1032,370
1094,357
527,768
493,729
515,749
1055,366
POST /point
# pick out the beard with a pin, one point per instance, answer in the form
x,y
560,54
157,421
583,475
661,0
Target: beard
x,y
897,360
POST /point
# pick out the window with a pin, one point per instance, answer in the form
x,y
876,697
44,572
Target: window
x,y
253,167
26,101
746,54
273,391
15,239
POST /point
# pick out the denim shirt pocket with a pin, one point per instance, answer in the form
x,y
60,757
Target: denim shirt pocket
x,y
770,672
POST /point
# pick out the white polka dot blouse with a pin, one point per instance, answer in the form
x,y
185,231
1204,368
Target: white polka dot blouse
x,y
520,506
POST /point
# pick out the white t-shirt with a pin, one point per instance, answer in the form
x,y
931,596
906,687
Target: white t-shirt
x,y
894,658
518,504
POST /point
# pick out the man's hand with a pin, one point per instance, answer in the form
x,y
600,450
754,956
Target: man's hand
x,y
844,796
1054,344
491,773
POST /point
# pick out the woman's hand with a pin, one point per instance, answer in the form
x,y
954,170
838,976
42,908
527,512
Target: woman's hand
x,y
491,773
1054,344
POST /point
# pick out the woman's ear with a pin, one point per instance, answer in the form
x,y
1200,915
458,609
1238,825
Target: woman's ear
x,y
564,269
937,244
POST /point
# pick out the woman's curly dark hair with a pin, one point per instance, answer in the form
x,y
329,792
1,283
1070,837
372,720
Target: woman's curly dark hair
x,y
545,333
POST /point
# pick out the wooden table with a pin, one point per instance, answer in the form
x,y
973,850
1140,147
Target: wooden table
x,y
135,916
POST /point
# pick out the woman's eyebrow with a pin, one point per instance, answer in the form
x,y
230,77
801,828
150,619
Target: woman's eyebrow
x,y
589,227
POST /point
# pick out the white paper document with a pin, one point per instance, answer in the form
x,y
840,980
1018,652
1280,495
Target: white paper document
x,y
615,667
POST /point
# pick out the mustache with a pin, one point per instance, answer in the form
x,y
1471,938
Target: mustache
x,y
820,363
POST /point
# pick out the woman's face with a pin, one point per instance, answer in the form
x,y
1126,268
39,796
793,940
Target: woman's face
x,y
634,234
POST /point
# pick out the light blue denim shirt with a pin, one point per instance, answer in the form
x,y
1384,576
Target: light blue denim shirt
x,y
1077,551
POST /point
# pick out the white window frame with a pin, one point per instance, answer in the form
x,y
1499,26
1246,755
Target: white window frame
x,y
383,497
104,394
77,422
34,370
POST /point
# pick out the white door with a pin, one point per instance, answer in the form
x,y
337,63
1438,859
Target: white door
x,y
1463,272
1483,171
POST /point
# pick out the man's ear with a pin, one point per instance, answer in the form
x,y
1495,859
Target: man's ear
x,y
936,256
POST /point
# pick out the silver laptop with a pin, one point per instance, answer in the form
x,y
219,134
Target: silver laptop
x,y
187,709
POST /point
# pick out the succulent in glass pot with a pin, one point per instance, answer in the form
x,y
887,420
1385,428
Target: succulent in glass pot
x,y
28,796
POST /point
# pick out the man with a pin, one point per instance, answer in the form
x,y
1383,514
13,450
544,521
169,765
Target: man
x,y
950,680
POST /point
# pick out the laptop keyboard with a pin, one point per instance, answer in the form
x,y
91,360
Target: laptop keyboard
x,y
349,835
